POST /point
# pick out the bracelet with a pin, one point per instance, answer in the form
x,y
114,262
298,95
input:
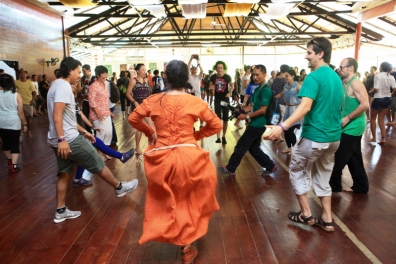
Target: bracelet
x,y
83,133
61,139
284,127
25,125
349,118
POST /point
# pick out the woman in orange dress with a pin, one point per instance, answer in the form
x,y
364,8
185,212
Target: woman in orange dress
x,y
181,177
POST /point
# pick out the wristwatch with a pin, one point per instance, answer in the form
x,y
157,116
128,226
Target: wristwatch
x,y
61,139
83,133
247,116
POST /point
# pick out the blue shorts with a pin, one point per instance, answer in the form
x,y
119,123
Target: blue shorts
x,y
381,103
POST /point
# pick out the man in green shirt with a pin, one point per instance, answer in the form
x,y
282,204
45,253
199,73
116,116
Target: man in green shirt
x,y
251,139
312,158
354,103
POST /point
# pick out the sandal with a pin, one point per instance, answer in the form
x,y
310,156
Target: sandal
x,y
326,226
298,217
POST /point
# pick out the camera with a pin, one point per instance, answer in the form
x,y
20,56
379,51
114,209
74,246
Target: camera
x,y
235,111
195,56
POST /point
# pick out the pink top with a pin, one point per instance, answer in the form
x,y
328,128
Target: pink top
x,y
98,97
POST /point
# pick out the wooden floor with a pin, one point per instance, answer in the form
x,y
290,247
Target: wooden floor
x,y
250,227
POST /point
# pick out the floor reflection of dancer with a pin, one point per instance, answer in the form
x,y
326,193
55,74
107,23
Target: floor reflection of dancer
x,y
181,177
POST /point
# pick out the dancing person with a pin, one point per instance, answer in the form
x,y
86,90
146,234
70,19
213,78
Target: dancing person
x,y
354,104
11,116
312,159
137,91
181,177
69,140
99,104
257,119
222,85
382,101
292,101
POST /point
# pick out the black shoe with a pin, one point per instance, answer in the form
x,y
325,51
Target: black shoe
x,y
223,140
15,168
218,140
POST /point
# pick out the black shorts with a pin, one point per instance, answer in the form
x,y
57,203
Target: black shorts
x,y
222,112
381,103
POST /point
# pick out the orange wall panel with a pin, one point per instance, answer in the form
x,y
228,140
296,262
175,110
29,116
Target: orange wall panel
x,y
30,35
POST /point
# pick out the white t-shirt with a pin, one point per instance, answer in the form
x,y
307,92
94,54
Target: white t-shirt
x,y
111,105
37,87
244,78
195,82
61,92
383,82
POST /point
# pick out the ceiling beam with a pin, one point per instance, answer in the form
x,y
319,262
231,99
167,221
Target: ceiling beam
x,y
173,15
206,40
381,10
215,34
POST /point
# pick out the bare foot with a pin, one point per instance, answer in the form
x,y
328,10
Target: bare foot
x,y
29,134
373,140
347,189
383,141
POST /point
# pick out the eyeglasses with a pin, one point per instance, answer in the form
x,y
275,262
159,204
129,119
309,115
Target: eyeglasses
x,y
314,42
343,67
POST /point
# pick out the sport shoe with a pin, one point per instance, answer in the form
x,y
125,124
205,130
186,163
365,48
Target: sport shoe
x,y
224,170
189,254
127,187
218,140
223,140
265,172
76,182
127,155
67,214
85,182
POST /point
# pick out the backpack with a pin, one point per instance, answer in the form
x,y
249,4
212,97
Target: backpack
x,y
114,93
122,87
273,112
159,84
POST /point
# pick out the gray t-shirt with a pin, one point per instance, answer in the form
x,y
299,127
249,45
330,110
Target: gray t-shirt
x,y
61,92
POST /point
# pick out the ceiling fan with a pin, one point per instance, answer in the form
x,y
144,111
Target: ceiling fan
x,y
53,62
213,23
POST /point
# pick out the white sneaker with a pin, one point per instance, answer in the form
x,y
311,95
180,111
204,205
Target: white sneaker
x,y
67,214
127,187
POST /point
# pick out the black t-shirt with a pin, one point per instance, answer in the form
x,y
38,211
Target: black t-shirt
x,y
154,80
221,86
369,82
43,87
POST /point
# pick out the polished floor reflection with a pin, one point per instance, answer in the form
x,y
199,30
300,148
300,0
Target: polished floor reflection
x,y
251,226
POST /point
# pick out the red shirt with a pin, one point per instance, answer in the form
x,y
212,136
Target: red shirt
x,y
98,97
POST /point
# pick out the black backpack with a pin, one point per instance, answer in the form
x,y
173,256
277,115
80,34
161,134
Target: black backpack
x,y
273,112
114,93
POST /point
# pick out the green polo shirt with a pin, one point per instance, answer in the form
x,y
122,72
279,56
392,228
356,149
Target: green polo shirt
x,y
261,97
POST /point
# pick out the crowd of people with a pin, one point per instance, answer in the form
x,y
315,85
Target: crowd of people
x,y
331,106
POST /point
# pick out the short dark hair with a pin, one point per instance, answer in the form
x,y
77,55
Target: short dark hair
x,y
7,83
57,70
374,67
301,72
1,70
156,72
68,64
100,69
291,72
122,74
33,75
177,73
261,68
321,44
44,75
386,66
353,62
284,68
148,70
87,67
220,62
138,66
298,78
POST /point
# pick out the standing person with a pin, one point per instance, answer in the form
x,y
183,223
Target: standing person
x,y
122,85
222,85
100,114
150,78
44,86
194,78
26,89
166,83
370,88
114,78
303,74
292,101
69,140
109,86
312,159
38,101
209,92
354,104
158,83
137,91
202,86
271,80
277,88
250,91
245,83
382,100
11,116
177,169
87,79
251,139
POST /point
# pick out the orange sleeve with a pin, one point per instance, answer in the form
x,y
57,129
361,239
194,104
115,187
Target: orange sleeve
x,y
213,123
136,118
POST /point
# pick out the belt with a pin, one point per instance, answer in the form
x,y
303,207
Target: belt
x,y
291,104
167,147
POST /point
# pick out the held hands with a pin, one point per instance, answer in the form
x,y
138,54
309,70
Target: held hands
x,y
63,149
345,121
272,132
153,139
